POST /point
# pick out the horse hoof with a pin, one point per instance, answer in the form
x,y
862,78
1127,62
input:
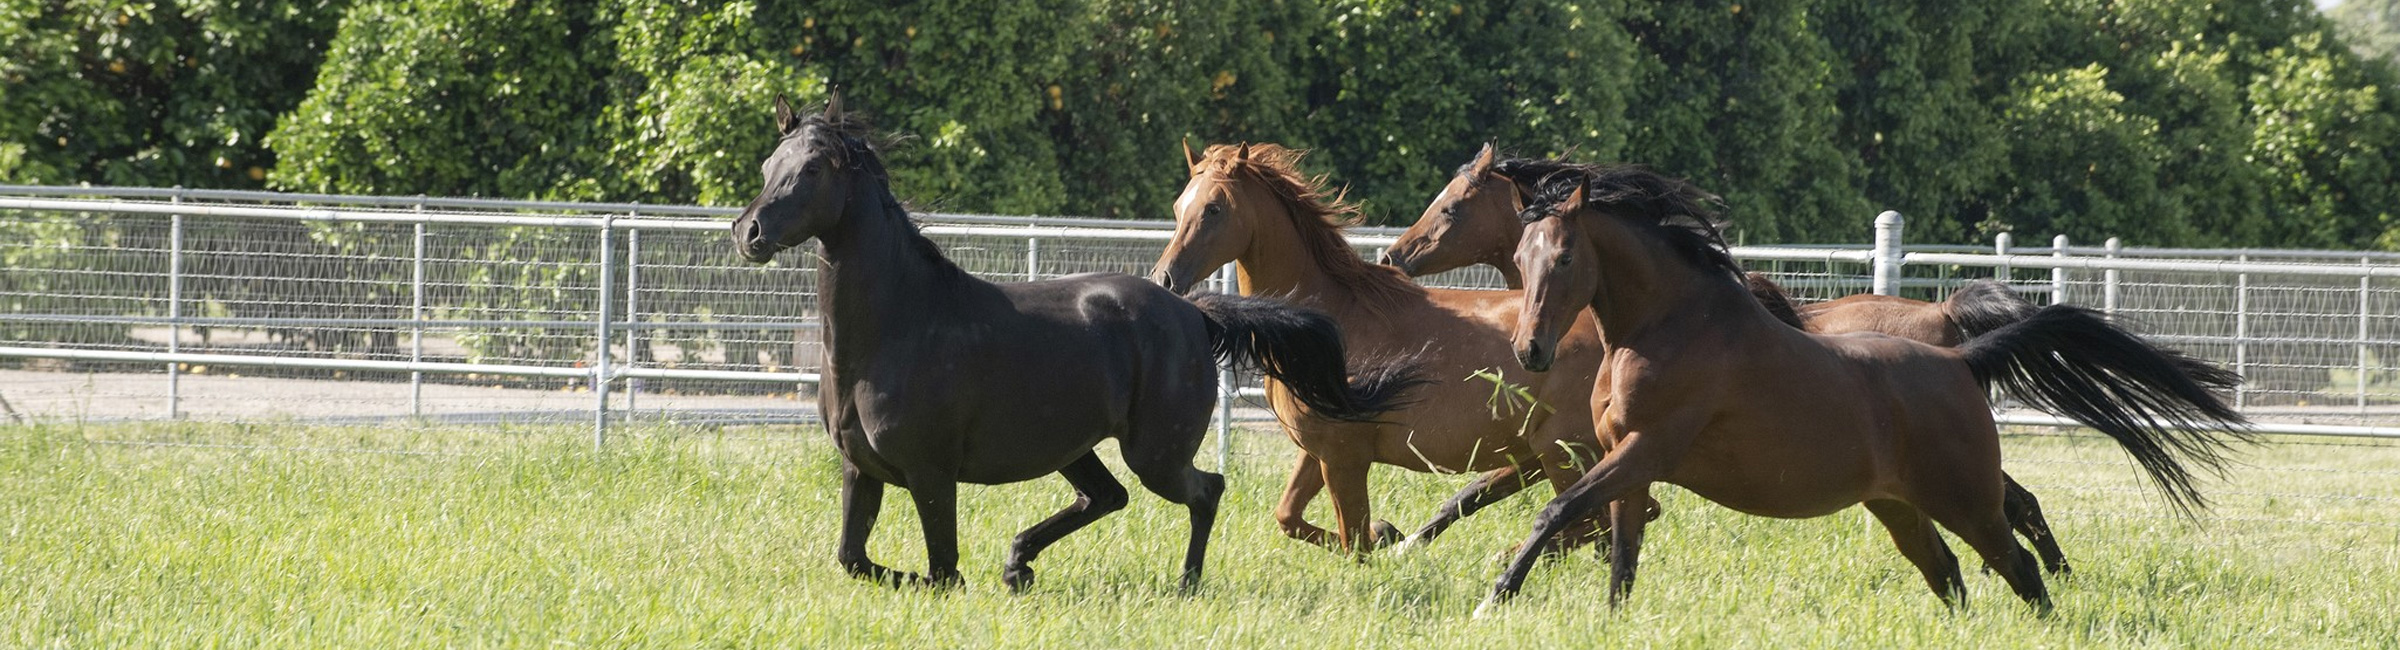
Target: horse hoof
x,y
1018,578
1406,545
1385,533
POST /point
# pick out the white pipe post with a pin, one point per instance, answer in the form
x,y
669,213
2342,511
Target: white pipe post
x,y
416,312
2108,290
1226,391
1887,253
2058,274
175,308
600,375
633,319
2241,333
1033,259
2002,271
2363,300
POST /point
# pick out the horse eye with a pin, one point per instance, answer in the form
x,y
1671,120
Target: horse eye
x,y
1214,208
1564,260
811,167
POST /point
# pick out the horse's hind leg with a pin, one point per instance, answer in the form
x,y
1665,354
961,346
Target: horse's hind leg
x,y
1198,490
1986,530
1291,513
862,500
2025,515
1922,544
1096,494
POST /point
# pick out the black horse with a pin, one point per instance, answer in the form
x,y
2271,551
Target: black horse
x,y
937,377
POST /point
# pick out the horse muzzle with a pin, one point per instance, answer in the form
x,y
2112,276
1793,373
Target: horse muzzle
x,y
1536,357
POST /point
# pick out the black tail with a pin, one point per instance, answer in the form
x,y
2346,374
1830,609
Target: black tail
x,y
2159,404
1303,349
1985,305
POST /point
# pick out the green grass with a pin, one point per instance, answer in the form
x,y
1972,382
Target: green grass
x,y
682,538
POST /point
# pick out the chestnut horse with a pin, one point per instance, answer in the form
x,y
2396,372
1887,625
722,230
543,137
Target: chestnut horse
x,y
1249,205
1898,425
1474,221
936,377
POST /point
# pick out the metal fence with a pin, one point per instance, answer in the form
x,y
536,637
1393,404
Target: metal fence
x,y
135,303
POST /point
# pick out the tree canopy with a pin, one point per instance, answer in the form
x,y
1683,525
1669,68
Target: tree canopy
x,y
2167,122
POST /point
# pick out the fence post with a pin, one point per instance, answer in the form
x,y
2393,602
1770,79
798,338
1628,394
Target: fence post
x,y
1887,253
175,308
1226,390
1033,259
600,358
416,313
2241,332
2004,273
2365,264
2108,289
2058,274
633,320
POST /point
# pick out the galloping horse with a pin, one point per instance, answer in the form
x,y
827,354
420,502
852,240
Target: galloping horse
x,y
1898,425
1249,205
1474,221
936,377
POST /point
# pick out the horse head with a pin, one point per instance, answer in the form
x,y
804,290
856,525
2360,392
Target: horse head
x,y
1473,221
808,181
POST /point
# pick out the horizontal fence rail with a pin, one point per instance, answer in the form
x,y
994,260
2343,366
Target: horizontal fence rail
x,y
608,308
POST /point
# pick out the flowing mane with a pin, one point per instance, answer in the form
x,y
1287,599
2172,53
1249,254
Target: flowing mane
x,y
1316,215
854,144
1681,212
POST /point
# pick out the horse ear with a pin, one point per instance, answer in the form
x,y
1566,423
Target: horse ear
x,y
1483,160
1573,202
784,122
833,107
1191,163
1244,153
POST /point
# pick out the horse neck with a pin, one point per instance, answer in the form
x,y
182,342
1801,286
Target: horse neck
x,y
1497,226
1280,260
872,282
1645,290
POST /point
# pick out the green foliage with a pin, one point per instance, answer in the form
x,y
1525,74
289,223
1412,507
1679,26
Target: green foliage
x,y
1409,90
152,93
2081,166
2167,122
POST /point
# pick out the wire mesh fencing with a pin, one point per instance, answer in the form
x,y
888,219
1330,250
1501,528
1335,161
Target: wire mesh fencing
x,y
228,305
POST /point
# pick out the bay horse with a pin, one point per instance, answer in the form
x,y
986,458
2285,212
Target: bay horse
x,y
1249,205
1898,425
1474,220
936,377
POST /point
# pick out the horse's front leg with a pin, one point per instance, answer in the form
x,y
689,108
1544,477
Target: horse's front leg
x,y
1487,488
862,500
937,511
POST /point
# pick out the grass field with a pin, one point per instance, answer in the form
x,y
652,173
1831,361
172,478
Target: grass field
x,y
678,537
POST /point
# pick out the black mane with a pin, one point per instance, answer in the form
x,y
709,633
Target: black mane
x,y
1682,213
855,145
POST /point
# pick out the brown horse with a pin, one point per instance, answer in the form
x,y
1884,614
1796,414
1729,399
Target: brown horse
x,y
1249,205
1900,426
1474,221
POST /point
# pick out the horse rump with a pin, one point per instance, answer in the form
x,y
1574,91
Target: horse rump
x,y
1302,348
1985,305
2160,404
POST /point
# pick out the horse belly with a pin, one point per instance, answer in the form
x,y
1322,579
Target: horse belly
x,y
1783,473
